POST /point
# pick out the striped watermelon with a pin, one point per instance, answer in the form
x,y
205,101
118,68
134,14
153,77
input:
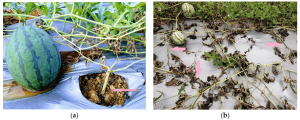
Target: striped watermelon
x,y
32,58
177,38
188,10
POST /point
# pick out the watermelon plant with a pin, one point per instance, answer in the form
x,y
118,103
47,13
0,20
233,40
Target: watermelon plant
x,y
206,55
34,62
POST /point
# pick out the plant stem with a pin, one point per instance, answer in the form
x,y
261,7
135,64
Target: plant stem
x,y
77,25
129,65
53,13
22,15
120,18
64,26
143,18
132,32
106,80
4,36
177,20
80,35
192,105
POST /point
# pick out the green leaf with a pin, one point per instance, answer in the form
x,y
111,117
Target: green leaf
x,y
224,60
93,9
94,17
111,3
159,96
221,64
109,21
79,4
103,13
91,26
213,54
19,11
30,6
50,6
163,7
209,59
241,56
93,4
128,7
65,11
130,16
67,7
120,7
44,9
114,32
182,85
115,15
207,54
121,19
275,22
137,6
107,14
134,35
215,58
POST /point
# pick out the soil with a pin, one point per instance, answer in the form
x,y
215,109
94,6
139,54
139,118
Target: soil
x,y
70,57
9,20
91,89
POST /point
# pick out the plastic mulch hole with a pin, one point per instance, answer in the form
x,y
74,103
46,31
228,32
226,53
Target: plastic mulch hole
x,y
91,88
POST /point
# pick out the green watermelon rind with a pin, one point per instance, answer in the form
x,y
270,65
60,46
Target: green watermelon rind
x,y
177,38
188,10
32,58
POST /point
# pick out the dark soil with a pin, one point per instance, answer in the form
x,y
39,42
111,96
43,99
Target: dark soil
x,y
91,88
9,20
70,57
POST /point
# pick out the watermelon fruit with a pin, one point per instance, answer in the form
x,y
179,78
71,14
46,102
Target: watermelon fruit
x,y
32,58
188,10
177,38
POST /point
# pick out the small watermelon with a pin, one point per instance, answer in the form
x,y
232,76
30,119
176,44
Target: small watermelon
x,y
188,10
32,58
177,38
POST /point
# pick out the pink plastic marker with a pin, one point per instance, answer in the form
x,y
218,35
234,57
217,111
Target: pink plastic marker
x,y
273,44
121,90
198,67
177,49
